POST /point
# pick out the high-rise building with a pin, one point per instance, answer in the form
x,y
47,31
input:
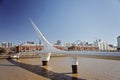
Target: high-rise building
x,y
101,44
58,42
104,46
9,45
30,42
118,43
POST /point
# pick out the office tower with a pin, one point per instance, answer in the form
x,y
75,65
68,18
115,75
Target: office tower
x,y
118,43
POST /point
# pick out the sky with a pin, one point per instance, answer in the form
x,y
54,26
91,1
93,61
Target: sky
x,y
65,20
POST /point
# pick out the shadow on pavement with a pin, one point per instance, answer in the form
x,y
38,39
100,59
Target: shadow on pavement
x,y
44,72
6,65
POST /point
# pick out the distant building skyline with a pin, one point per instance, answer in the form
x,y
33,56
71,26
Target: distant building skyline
x,y
97,45
77,42
6,44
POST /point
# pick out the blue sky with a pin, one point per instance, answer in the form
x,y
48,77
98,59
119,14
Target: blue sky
x,y
66,20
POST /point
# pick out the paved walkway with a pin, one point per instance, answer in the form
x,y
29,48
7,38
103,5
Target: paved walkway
x,y
9,71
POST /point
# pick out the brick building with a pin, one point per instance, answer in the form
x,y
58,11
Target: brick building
x,y
27,47
84,48
24,48
33,47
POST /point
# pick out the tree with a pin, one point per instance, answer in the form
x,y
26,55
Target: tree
x,y
71,48
3,51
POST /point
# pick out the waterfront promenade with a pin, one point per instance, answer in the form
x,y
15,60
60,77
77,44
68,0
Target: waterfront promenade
x,y
59,69
9,71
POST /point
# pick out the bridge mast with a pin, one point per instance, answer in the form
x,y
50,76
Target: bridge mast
x,y
47,46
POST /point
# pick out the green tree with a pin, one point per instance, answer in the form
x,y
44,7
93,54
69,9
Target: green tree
x,y
71,48
3,51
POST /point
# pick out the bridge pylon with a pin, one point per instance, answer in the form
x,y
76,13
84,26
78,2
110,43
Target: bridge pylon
x,y
45,58
74,62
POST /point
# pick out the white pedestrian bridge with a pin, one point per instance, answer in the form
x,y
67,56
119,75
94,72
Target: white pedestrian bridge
x,y
49,49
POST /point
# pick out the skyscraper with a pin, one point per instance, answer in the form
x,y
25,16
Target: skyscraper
x,y
103,45
58,42
118,43
9,45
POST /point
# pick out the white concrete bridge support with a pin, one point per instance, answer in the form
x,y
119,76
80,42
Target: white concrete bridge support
x,y
74,62
45,57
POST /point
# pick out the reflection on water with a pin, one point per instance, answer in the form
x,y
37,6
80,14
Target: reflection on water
x,y
42,71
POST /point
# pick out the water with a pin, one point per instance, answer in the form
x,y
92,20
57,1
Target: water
x,y
88,68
